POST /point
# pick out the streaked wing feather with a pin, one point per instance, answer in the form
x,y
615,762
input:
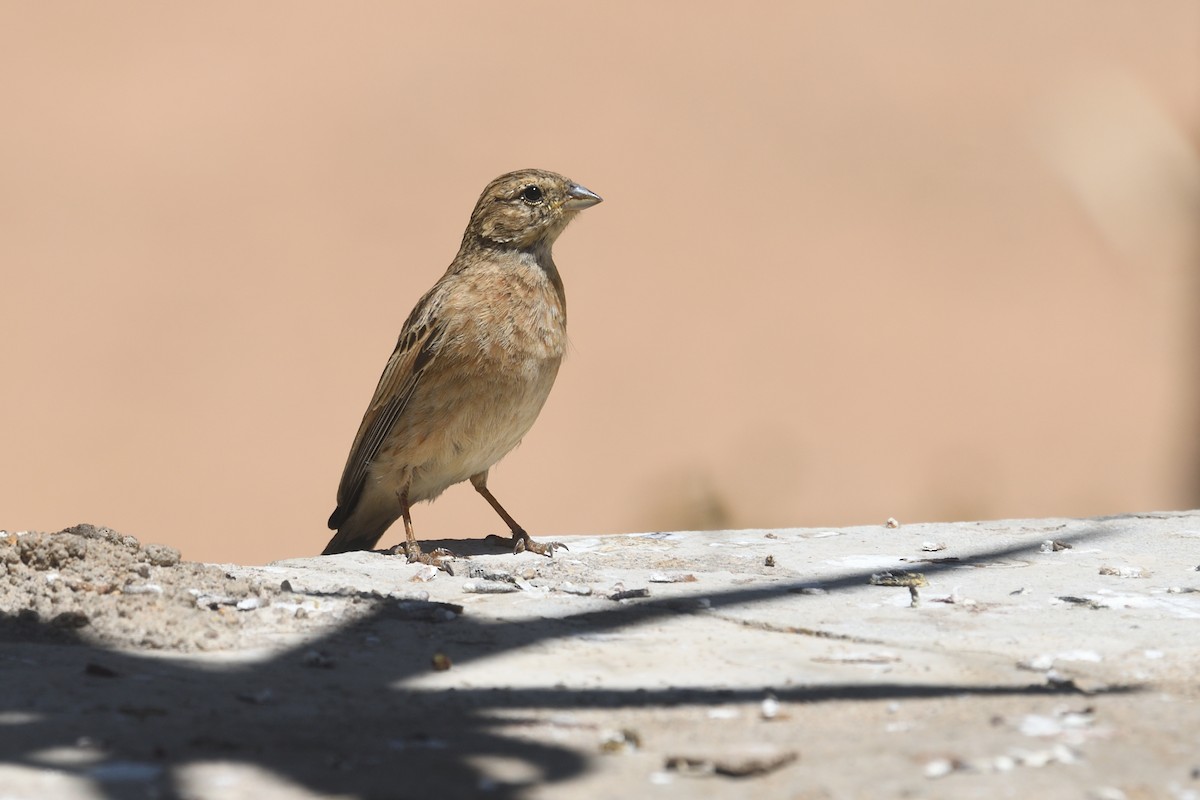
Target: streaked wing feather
x,y
399,380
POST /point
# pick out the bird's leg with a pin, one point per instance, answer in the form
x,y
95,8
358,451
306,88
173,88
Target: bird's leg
x,y
521,541
413,550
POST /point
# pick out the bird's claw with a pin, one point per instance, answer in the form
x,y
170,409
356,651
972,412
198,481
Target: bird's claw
x,y
523,542
546,549
439,558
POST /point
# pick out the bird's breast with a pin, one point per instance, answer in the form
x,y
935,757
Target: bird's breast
x,y
510,320
497,360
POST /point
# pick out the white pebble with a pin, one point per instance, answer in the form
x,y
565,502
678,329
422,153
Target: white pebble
x,y
425,573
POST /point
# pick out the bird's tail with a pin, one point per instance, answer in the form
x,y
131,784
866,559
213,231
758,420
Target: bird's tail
x,y
359,528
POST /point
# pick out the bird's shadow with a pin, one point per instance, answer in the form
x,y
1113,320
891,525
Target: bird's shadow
x,y
338,715
487,546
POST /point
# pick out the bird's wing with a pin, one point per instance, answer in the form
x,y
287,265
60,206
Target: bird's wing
x,y
412,356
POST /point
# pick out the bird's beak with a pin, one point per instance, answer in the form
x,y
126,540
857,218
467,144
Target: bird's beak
x,y
579,198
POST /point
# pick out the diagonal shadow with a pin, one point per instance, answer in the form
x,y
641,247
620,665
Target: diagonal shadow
x,y
348,730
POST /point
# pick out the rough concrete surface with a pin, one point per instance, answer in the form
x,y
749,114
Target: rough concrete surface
x,y
1020,658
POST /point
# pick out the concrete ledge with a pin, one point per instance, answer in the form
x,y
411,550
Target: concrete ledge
x,y
1049,658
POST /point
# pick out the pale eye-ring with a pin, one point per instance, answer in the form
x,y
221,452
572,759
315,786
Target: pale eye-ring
x,y
531,194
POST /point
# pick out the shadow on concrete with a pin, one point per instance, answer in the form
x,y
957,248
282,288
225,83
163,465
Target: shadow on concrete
x,y
332,716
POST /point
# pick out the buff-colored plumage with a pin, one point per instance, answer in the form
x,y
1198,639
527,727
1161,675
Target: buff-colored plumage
x,y
472,368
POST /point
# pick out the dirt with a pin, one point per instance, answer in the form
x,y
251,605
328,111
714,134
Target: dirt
x,y
109,589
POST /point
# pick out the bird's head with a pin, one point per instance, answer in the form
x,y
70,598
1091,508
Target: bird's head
x,y
527,208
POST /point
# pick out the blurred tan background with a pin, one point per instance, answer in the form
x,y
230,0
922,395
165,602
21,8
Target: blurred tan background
x,y
856,260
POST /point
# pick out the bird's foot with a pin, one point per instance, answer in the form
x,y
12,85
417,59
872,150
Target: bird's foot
x,y
440,558
522,542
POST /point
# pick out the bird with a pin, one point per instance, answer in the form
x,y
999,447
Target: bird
x,y
473,365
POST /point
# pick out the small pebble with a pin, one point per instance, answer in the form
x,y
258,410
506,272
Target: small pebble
x,y
628,594
145,588
663,577
489,587
489,574
425,573
99,670
318,659
723,712
625,740
1124,572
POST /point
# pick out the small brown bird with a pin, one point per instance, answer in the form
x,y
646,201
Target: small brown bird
x,y
473,366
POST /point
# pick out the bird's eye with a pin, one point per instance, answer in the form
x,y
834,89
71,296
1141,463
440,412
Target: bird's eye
x,y
531,194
